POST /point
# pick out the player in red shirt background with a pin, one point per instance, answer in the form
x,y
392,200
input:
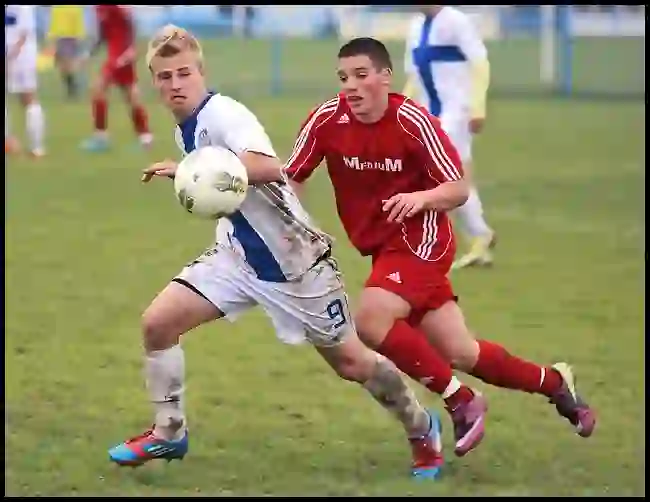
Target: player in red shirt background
x,y
395,175
116,29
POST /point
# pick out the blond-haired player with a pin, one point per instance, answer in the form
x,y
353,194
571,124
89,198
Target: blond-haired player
x,y
269,253
447,70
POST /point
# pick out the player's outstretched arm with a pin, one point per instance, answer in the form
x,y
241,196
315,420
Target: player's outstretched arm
x,y
244,135
261,168
439,158
445,197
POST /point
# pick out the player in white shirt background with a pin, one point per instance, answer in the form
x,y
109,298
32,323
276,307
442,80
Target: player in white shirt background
x,y
447,71
269,254
21,78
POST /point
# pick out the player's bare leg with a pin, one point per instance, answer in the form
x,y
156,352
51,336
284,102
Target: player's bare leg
x,y
99,140
139,115
174,312
481,237
34,123
354,361
68,67
488,361
12,145
380,320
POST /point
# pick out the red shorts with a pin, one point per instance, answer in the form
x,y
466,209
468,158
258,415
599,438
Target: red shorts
x,y
423,284
124,76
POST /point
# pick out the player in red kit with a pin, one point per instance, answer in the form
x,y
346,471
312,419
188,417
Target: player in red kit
x,y
395,175
117,31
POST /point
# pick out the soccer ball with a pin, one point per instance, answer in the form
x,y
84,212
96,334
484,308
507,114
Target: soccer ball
x,y
211,182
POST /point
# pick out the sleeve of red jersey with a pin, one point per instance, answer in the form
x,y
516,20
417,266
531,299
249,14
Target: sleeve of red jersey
x,y
307,152
437,153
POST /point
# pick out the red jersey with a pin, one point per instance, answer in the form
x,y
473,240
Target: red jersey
x,y
406,151
115,28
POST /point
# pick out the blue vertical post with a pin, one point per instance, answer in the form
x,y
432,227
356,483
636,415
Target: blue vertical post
x,y
565,39
276,64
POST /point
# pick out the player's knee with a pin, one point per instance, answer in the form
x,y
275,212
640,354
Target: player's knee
x,y
133,96
352,369
371,326
157,331
374,319
464,359
97,92
27,98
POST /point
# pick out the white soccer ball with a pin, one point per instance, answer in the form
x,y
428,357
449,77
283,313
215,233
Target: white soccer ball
x,y
211,182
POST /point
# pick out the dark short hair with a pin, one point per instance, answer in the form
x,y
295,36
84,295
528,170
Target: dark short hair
x,y
367,46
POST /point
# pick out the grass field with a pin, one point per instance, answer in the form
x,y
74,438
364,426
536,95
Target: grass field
x,y
87,247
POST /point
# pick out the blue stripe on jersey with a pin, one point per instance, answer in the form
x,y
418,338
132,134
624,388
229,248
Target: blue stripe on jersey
x,y
188,126
258,255
425,54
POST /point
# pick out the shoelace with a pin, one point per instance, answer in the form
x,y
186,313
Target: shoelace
x,y
145,435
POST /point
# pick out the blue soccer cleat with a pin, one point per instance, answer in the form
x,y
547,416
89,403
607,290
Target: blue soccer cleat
x,y
146,447
95,144
427,451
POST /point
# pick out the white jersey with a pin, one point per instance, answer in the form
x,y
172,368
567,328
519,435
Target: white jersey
x,y
21,20
438,51
272,234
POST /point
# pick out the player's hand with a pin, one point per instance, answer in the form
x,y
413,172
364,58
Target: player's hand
x,y
166,168
126,58
404,205
476,125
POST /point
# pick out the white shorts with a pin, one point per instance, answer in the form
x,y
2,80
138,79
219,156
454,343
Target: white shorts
x,y
21,76
458,131
313,309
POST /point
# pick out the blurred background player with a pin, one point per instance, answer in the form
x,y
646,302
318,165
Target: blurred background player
x,y
448,72
21,53
117,30
67,32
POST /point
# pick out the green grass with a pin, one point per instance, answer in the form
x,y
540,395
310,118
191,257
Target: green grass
x,y
87,247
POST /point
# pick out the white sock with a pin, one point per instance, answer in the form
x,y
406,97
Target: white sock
x,y
165,371
471,216
146,138
7,131
452,388
35,122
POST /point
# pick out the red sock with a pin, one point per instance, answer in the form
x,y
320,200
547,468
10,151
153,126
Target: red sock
x,y
498,367
411,352
140,119
100,114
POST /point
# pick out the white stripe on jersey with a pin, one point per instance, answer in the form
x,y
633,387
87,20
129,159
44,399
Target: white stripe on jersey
x,y
327,107
430,227
429,137
429,234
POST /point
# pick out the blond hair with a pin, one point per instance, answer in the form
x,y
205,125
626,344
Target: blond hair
x,y
171,40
